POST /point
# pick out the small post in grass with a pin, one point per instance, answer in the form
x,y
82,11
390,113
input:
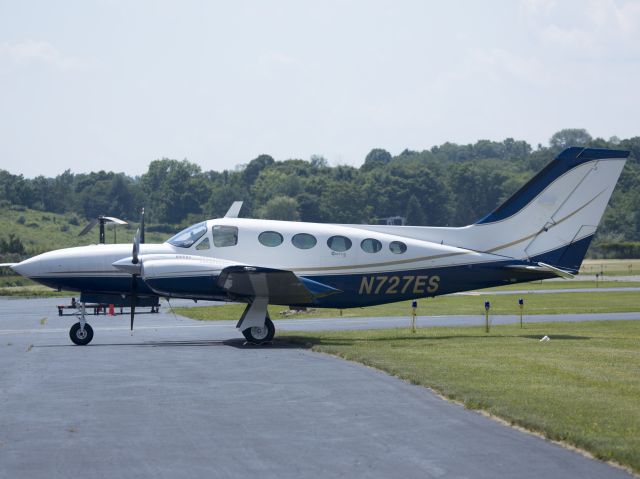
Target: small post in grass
x,y
414,307
487,305
521,304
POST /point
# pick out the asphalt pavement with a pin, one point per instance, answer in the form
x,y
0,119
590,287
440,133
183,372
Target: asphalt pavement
x,y
180,398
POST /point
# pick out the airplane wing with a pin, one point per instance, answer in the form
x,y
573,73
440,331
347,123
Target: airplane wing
x,y
238,280
280,286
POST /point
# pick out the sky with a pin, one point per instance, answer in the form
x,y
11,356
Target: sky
x,y
112,85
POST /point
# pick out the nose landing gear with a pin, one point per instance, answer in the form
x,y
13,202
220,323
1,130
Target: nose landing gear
x,y
81,333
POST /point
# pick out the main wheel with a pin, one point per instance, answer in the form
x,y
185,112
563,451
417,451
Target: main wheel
x,y
80,337
259,335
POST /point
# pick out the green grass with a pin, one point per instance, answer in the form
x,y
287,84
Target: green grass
x,y
582,387
559,303
611,267
577,284
42,231
15,285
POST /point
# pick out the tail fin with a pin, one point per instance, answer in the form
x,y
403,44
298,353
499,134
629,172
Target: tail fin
x,y
553,217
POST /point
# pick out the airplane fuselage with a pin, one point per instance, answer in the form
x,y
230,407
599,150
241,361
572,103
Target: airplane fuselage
x,y
366,267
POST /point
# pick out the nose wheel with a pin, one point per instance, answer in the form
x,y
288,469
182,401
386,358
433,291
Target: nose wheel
x,y
79,335
260,335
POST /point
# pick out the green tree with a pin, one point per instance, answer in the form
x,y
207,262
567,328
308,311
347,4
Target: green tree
x,y
281,208
414,214
569,137
376,157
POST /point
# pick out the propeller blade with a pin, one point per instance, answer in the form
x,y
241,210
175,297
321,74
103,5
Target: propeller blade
x,y
142,225
87,228
134,294
136,248
113,219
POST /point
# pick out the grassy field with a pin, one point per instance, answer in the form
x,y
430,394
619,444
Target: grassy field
x,y
611,267
556,303
40,231
582,387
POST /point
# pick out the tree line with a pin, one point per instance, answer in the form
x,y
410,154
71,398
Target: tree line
x,y
449,184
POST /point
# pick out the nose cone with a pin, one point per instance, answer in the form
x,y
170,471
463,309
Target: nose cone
x,y
29,267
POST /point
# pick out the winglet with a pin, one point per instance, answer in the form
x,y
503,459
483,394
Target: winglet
x,y
234,210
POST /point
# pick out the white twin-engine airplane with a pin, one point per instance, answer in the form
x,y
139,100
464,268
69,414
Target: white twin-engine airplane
x,y
542,231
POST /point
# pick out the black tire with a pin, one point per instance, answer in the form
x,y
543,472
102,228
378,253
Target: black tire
x,y
257,335
81,338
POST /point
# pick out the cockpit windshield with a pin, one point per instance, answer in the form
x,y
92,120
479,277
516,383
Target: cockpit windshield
x,y
187,237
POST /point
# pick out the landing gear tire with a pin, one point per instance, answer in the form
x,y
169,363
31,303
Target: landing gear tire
x,y
80,337
257,335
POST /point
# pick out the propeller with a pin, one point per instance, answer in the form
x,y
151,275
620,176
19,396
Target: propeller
x,y
102,220
135,260
142,225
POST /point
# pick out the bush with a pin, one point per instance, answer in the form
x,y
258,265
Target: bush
x,y
169,229
64,228
33,225
12,245
617,250
20,220
73,220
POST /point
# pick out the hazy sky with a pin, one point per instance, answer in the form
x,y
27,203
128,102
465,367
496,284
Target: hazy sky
x,y
110,84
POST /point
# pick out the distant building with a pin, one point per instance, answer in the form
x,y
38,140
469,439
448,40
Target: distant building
x,y
392,221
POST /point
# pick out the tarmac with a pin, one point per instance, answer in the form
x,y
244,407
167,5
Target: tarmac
x,y
180,398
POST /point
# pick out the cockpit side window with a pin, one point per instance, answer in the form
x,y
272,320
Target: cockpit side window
x,y
187,237
204,244
225,236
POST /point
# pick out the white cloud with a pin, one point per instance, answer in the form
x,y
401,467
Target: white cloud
x,y
537,7
32,52
593,28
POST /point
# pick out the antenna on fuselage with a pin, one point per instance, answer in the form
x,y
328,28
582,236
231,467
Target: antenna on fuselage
x,y
234,210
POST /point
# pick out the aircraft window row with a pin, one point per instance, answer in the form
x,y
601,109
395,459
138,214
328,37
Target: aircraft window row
x,y
397,247
339,243
228,236
204,244
270,238
336,243
370,245
225,236
304,241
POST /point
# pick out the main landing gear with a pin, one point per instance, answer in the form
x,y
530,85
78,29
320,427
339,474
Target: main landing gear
x,y
81,333
255,323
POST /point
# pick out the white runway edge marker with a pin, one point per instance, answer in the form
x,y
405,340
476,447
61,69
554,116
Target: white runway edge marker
x,y
545,339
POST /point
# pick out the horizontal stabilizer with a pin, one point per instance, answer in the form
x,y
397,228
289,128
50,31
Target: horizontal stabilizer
x,y
543,267
280,286
7,265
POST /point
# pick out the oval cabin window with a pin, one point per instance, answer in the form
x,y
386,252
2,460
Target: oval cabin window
x,y
339,243
270,238
397,247
304,241
371,245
